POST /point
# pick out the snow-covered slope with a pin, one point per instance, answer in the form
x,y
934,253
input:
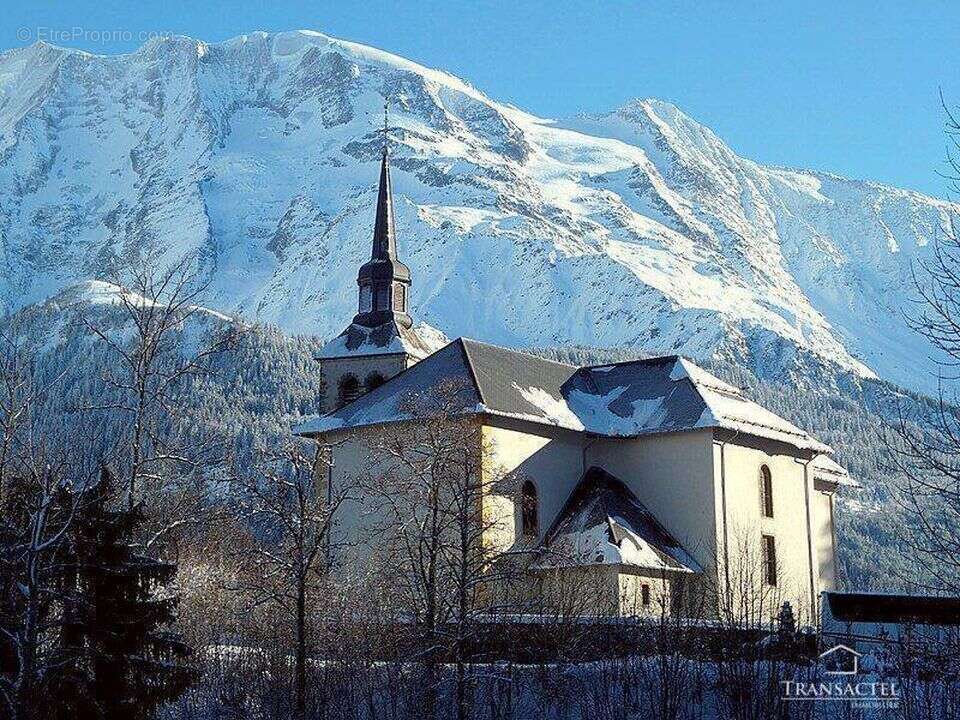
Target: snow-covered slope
x,y
635,227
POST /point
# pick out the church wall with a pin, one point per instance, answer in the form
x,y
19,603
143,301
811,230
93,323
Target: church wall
x,y
355,531
823,539
599,591
630,599
551,458
361,367
350,456
672,475
677,476
592,591
746,523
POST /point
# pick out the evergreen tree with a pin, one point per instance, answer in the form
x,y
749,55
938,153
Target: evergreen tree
x,y
124,661
786,623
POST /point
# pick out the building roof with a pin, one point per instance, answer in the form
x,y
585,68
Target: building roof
x,y
384,229
628,399
603,523
384,265
383,280
387,339
829,470
888,608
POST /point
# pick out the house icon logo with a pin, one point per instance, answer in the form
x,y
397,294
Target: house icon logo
x,y
840,660
840,663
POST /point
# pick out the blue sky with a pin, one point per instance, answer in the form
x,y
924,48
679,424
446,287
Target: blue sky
x,y
850,87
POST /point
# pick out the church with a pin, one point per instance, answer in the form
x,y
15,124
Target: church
x,y
631,478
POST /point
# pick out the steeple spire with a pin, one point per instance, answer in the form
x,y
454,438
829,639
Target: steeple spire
x,y
384,231
384,281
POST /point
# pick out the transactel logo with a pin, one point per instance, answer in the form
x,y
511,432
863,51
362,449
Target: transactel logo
x,y
843,682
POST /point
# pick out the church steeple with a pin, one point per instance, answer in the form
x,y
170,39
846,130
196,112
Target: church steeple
x,y
384,281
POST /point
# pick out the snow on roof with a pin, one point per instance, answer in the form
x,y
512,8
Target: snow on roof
x,y
827,469
628,399
603,523
669,394
413,392
386,339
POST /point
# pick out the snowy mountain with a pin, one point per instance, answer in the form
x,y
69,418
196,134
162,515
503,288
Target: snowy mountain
x,y
636,227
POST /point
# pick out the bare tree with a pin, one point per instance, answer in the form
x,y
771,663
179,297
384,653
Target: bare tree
x,y
747,673
435,494
17,392
672,676
925,443
286,503
158,338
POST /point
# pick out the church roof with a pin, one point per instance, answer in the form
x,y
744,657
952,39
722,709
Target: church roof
x,y
384,227
629,399
603,523
386,339
827,469
384,264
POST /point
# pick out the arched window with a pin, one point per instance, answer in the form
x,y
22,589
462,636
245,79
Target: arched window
x,y
529,521
373,381
766,491
348,390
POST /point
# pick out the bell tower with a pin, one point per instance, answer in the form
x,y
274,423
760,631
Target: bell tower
x,y
381,341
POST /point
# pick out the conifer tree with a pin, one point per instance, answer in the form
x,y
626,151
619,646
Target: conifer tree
x,y
124,660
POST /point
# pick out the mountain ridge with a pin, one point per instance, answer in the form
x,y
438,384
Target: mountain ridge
x,y
636,226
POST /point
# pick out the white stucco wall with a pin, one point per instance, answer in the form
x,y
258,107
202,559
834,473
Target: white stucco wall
x,y
686,480
552,458
673,476
824,539
795,511
630,601
351,456
601,590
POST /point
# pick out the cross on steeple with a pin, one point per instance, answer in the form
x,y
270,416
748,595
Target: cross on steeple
x,y
385,130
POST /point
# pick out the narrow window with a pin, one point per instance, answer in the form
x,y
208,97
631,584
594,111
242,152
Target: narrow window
x,y
366,299
766,491
399,298
528,509
373,381
383,298
770,559
348,390
645,594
